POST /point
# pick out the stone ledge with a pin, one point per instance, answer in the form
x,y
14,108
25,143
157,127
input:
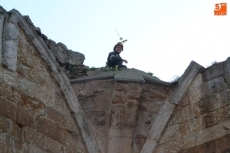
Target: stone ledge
x,y
91,79
129,75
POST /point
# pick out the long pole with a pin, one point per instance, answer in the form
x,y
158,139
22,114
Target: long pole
x,y
118,34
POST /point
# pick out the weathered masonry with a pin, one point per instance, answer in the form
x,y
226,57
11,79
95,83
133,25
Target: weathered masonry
x,y
48,104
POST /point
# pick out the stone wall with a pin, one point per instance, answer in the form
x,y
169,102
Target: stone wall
x,y
145,116
34,116
120,113
200,122
39,111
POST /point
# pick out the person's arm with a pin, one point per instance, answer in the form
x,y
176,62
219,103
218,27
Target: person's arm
x,y
124,60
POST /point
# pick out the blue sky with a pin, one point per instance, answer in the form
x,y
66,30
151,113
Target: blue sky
x,y
163,36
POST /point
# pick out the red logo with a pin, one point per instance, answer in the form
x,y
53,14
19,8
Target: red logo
x,y
220,9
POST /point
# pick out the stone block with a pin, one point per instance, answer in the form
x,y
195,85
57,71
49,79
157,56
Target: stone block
x,y
154,92
223,98
52,130
218,116
5,148
214,71
41,141
28,73
8,109
4,124
119,144
8,77
9,55
181,114
93,88
172,132
11,143
174,145
5,90
222,145
214,86
25,117
212,133
205,148
130,75
10,43
61,119
208,104
221,115
10,127
34,149
197,123
31,104
33,90
189,140
195,90
184,128
11,32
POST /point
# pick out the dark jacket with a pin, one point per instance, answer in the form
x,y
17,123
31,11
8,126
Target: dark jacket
x,y
114,59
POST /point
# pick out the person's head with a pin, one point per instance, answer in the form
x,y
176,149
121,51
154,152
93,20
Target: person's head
x,y
118,47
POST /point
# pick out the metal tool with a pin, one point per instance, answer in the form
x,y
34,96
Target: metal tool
x,y
121,39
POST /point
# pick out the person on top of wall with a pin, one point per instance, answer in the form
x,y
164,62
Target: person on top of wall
x,y
114,60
